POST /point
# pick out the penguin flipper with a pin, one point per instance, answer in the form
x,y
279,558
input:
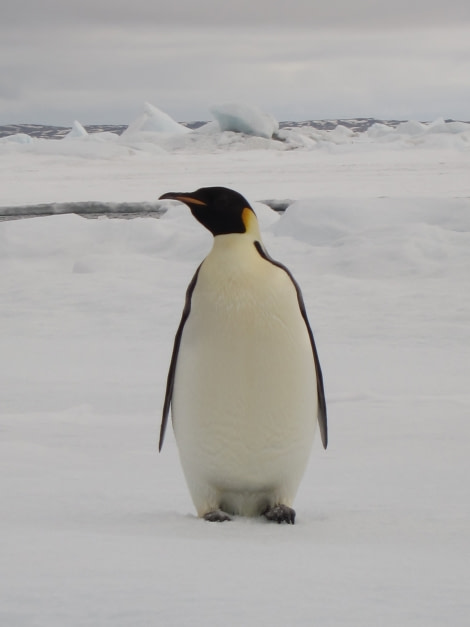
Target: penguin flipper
x,y
170,382
321,417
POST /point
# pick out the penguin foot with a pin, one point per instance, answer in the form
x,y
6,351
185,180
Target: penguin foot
x,y
280,514
216,516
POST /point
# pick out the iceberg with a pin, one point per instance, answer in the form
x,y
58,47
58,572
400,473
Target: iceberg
x,y
242,118
77,131
156,121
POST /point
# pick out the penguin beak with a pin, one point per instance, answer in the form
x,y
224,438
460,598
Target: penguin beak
x,y
182,197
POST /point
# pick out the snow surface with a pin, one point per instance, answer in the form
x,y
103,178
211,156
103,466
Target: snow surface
x,y
96,527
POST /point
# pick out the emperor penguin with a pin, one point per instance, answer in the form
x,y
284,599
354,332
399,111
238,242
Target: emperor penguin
x,y
244,385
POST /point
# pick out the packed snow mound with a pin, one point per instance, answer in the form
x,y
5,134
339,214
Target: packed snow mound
x,y
267,217
440,126
411,127
403,236
77,131
379,130
156,121
242,118
239,127
453,135
17,138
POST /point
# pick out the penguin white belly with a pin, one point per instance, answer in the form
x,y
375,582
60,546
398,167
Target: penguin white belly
x,y
245,401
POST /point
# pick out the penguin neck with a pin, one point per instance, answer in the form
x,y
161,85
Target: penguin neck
x,y
239,241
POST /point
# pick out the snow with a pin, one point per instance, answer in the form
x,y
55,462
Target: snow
x,y
417,133
20,138
237,127
243,118
411,127
99,529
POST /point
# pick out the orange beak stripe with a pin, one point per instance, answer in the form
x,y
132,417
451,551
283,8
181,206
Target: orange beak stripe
x,y
189,200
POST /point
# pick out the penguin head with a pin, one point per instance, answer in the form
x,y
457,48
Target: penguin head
x,y
221,210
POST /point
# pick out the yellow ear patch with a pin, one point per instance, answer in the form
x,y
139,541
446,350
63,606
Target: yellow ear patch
x,y
249,220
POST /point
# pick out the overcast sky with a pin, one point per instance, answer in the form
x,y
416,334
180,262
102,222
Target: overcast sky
x,y
99,61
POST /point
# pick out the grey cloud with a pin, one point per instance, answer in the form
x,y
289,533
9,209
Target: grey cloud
x,y
302,13
102,71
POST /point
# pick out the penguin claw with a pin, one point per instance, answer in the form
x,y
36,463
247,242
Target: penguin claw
x,y
217,515
280,514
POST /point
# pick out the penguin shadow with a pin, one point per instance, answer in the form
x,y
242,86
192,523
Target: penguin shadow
x,y
261,522
177,524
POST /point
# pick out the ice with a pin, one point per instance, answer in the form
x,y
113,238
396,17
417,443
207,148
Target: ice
x,y
243,118
341,134
19,138
453,134
411,127
76,131
96,527
449,127
155,121
240,128
379,130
